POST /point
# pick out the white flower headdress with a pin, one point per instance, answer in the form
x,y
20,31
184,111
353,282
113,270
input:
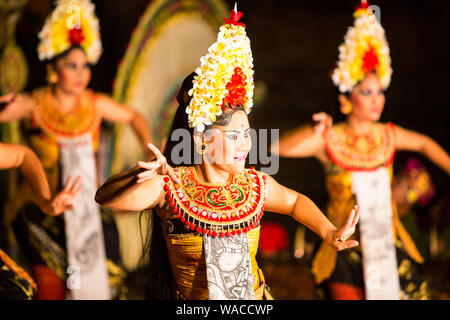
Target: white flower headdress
x,y
365,49
72,22
225,76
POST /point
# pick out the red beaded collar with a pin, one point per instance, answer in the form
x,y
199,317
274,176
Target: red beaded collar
x,y
218,209
361,152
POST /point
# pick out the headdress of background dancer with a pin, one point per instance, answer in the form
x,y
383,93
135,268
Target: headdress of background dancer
x,y
365,49
72,23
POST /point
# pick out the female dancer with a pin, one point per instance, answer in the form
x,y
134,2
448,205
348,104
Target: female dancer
x,y
206,227
357,155
62,125
15,282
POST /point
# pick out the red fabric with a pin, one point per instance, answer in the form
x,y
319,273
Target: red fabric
x,y
50,286
343,291
273,238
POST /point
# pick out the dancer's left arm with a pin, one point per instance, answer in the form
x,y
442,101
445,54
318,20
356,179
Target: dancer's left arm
x,y
286,201
116,112
409,140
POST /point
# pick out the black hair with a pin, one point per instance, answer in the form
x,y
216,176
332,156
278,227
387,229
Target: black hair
x,y
53,61
156,271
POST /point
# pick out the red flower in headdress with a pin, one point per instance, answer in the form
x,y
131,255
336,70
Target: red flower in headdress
x,y
363,5
237,95
370,60
76,36
234,18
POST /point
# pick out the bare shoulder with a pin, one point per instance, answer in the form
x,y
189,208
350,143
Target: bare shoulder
x,y
269,182
401,132
102,99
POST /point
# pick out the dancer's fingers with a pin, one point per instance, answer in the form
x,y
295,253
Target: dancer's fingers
x,y
349,220
76,184
173,175
148,176
348,244
68,185
147,165
145,174
319,116
156,152
356,216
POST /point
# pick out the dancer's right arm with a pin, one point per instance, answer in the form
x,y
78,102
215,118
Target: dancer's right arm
x,y
18,156
18,106
139,188
304,141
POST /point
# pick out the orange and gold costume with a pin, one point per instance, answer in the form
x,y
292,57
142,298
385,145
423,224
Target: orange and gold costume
x,y
189,269
228,201
348,151
41,236
15,282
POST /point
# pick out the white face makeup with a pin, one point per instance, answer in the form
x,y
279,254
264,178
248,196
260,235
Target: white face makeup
x,y
73,72
228,146
368,99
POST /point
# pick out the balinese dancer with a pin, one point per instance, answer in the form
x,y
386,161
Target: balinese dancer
x,y
207,210
357,155
78,250
15,282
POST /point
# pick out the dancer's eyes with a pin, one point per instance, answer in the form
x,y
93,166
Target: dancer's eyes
x,y
71,65
233,136
366,92
381,92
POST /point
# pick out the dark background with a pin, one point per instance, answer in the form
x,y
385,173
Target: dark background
x,y
295,46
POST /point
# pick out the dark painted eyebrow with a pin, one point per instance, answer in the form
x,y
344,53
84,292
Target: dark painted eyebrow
x,y
234,130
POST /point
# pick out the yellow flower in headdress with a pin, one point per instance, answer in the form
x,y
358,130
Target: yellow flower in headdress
x,y
72,22
365,49
225,76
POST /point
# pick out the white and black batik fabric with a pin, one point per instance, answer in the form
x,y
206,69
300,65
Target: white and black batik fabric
x,y
373,195
228,268
87,271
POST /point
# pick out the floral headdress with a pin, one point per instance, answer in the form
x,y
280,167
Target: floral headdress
x,y
225,77
72,23
365,49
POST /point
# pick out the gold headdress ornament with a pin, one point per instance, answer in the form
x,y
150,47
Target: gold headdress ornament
x,y
225,77
365,49
72,22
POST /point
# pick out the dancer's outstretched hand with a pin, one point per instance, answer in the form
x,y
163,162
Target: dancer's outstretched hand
x,y
64,200
322,121
158,166
338,238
